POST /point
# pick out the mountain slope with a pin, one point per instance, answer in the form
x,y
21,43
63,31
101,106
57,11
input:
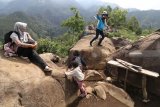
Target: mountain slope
x,y
148,18
48,13
37,27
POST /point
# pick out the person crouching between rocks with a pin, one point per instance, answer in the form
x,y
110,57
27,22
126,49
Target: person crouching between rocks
x,y
78,58
25,46
78,77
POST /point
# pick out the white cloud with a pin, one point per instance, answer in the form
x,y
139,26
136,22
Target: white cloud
x,y
139,4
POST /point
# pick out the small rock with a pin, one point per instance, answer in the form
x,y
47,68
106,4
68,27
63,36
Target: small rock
x,y
100,92
93,75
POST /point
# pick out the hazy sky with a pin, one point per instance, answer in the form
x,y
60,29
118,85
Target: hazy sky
x,y
139,4
5,0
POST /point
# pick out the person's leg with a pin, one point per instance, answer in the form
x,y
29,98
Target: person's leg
x,y
25,52
36,59
97,34
82,89
33,56
101,39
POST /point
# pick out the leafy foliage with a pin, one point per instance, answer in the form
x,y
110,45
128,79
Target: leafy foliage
x,y
117,18
147,19
121,27
108,9
60,45
134,25
75,23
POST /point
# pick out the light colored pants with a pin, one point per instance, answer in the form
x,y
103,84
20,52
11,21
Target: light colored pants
x,y
80,85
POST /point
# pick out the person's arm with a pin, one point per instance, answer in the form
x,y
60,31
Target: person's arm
x,y
97,16
16,40
83,62
70,73
106,20
31,39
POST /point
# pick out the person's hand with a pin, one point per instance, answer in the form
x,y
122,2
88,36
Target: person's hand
x,y
36,43
33,46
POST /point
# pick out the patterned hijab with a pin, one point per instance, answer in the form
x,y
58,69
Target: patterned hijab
x,y
19,25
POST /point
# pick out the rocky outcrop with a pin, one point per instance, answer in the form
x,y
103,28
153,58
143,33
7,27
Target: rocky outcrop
x,y
24,85
103,87
94,56
120,42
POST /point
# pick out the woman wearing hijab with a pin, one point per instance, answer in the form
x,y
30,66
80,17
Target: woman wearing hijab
x,y
24,46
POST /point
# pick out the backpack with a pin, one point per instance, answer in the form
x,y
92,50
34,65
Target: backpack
x,y
7,37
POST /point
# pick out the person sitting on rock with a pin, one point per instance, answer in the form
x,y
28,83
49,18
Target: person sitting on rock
x,y
25,46
78,77
77,58
102,22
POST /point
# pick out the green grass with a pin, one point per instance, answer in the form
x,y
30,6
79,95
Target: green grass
x,y
128,34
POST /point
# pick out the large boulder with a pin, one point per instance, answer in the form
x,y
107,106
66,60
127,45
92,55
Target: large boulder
x,y
24,84
94,56
120,42
116,92
94,101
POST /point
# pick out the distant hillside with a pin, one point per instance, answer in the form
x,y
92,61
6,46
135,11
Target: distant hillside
x,y
37,27
150,18
44,17
49,14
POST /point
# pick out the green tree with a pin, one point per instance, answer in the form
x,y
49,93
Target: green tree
x,y
138,31
108,9
134,25
75,23
117,18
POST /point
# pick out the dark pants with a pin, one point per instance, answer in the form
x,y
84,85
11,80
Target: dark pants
x,y
32,55
98,32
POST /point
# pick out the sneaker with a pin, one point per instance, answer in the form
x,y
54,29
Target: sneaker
x,y
47,69
25,58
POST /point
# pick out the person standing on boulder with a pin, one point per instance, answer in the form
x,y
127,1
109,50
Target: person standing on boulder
x,y
25,46
102,22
